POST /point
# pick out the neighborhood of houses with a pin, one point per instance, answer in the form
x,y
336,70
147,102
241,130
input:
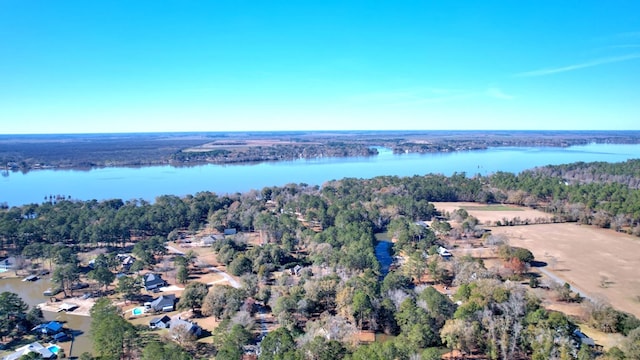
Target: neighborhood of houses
x,y
157,308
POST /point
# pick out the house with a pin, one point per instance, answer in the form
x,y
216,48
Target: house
x,y
36,347
160,323
126,261
50,328
584,339
153,281
164,303
188,326
422,223
211,239
296,270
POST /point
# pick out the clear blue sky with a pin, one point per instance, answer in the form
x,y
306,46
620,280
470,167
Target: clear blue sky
x,y
129,66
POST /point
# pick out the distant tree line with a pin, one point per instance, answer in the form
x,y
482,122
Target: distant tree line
x,y
25,153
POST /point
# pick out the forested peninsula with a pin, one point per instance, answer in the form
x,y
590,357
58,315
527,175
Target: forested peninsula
x,y
87,151
305,281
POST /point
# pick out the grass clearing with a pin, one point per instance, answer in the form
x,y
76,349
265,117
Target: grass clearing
x,y
492,208
582,255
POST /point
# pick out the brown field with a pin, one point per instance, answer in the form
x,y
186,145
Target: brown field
x,y
602,263
586,257
492,213
230,144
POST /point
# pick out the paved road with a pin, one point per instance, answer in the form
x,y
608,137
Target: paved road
x,y
227,277
557,279
174,250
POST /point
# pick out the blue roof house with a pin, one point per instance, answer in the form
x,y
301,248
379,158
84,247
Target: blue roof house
x,y
50,328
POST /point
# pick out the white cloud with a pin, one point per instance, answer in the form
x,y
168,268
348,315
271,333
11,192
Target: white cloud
x,y
597,62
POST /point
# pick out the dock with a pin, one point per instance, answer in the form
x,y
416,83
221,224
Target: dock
x,y
67,307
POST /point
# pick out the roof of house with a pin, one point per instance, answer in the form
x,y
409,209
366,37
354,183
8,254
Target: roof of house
x,y
165,319
8,262
188,326
212,238
584,338
163,301
60,336
51,327
152,279
33,347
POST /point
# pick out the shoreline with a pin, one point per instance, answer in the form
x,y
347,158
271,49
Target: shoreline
x,y
82,306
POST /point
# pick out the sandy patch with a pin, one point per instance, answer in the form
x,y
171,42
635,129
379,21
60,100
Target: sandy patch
x,y
83,306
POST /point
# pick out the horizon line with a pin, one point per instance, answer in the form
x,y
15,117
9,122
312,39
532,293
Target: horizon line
x,y
196,132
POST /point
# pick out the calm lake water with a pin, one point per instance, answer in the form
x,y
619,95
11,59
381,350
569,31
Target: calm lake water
x,y
149,182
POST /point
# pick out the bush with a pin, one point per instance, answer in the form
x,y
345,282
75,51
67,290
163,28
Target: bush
x,y
627,323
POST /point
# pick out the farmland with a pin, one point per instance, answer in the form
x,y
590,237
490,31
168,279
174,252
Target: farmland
x,y
600,262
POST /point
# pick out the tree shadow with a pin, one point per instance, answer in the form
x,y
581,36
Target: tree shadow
x,y
538,264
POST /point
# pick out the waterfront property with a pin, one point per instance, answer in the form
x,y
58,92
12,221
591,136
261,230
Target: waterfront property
x,y
34,347
31,278
60,337
49,328
7,264
67,307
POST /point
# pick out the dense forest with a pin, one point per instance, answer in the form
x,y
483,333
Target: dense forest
x,y
328,233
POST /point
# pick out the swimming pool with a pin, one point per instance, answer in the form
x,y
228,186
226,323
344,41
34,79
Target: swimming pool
x,y
137,311
54,349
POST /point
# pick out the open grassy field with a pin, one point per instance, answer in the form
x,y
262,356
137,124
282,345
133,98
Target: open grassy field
x,y
600,262
492,213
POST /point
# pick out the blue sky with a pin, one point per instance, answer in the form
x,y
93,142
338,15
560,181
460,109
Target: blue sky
x,y
130,66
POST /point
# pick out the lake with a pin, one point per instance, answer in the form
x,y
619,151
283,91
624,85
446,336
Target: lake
x,y
149,182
